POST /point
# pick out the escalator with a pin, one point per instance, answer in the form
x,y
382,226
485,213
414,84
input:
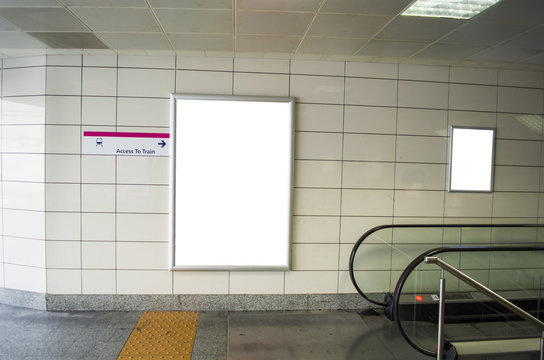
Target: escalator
x,y
509,259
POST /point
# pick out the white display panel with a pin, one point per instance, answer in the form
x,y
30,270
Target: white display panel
x,y
471,159
232,170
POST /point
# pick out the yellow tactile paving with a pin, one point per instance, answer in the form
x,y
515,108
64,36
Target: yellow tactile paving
x,y
167,335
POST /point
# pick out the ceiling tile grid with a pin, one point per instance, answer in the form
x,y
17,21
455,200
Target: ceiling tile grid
x,y
511,32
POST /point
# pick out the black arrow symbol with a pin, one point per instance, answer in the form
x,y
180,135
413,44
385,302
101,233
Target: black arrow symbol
x,y
162,143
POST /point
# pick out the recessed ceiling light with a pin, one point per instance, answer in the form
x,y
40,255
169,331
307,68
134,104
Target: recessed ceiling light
x,y
456,9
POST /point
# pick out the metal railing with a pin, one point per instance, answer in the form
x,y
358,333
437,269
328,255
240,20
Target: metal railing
x,y
483,289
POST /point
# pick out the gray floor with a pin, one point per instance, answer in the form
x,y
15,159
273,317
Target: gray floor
x,y
33,334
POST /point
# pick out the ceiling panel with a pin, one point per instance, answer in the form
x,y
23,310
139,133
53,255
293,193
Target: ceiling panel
x,y
481,33
19,40
42,19
518,12
118,19
330,46
281,5
135,41
105,3
69,40
202,42
533,39
391,48
418,28
503,54
24,3
267,44
272,23
351,26
192,4
368,7
6,25
195,21
448,51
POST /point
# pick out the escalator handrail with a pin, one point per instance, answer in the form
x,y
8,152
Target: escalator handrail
x,y
392,226
433,252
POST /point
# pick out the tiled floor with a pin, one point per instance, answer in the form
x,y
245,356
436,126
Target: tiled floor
x,y
33,334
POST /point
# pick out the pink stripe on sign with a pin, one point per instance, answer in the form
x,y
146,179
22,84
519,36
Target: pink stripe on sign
x,y
126,134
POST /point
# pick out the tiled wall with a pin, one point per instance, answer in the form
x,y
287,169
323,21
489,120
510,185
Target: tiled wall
x,y
371,148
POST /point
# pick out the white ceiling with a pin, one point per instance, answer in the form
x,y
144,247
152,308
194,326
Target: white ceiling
x,y
511,32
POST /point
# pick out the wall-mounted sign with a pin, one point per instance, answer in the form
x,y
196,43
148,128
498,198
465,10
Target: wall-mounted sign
x,y
126,143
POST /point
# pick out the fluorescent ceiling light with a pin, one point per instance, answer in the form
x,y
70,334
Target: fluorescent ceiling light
x,y
457,9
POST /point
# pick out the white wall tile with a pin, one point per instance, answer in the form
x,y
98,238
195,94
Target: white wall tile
x,y
98,111
97,198
315,256
23,196
369,119
64,60
354,227
422,122
423,72
62,226
21,223
422,149
144,282
63,254
372,70
364,147
139,61
24,61
63,281
99,282
143,227
98,169
143,112
516,178
367,202
62,168
261,282
97,255
143,170
24,81
311,67
345,286
23,167
474,119
63,80
62,197
21,251
320,174
419,203
316,202
261,84
134,255
316,229
473,76
100,60
521,78
317,117
97,227
278,66
360,91
317,89
517,152
458,204
514,205
420,176
368,175
62,139
519,100
425,95
519,126
318,146
473,97
145,82
25,278
99,81
308,282
63,110
205,63
143,198
23,110
200,282
23,138
204,82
